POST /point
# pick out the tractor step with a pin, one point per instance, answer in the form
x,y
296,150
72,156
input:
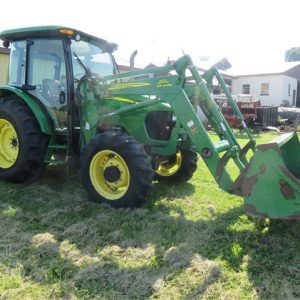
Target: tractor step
x,y
58,146
56,154
55,161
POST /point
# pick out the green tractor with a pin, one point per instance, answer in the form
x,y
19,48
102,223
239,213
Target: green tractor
x,y
65,97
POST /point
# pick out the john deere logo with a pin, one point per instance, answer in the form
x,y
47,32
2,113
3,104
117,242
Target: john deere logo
x,y
163,83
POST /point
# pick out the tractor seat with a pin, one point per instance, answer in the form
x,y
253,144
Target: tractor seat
x,y
51,90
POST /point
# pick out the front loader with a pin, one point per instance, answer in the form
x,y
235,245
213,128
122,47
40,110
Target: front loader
x,y
65,97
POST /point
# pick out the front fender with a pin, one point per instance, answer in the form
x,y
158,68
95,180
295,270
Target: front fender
x,y
37,108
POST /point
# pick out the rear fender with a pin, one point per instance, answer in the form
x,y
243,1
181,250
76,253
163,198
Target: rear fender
x,y
37,109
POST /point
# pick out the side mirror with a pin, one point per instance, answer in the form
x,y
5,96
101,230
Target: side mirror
x,y
6,44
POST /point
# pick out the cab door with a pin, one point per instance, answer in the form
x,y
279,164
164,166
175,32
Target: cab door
x,y
46,73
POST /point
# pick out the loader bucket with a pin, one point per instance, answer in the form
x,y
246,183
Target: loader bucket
x,y
270,184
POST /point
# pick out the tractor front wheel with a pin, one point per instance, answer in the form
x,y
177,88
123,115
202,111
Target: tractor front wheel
x,y
22,144
116,170
178,167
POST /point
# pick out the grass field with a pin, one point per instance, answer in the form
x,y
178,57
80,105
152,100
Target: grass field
x,y
190,241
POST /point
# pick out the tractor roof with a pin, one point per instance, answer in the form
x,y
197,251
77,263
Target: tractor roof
x,y
54,31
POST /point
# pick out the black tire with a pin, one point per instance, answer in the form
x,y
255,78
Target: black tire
x,y
179,168
24,134
116,170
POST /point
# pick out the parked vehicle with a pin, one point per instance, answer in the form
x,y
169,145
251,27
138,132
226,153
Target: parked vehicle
x,y
65,97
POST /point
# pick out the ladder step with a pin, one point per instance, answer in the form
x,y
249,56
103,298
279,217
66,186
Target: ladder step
x,y
55,162
61,131
58,146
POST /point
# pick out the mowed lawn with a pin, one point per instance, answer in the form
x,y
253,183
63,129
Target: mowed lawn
x,y
192,240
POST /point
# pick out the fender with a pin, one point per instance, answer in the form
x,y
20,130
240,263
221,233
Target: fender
x,y
37,109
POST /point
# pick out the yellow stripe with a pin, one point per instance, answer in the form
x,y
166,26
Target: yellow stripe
x,y
128,85
122,99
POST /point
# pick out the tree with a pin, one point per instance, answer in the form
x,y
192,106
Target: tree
x,y
292,54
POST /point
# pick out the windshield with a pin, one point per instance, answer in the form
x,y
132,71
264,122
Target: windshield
x,y
92,57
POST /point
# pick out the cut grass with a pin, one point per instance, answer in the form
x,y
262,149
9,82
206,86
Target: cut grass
x,y
190,241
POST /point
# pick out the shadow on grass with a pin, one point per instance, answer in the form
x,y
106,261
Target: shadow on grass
x,y
89,250
163,190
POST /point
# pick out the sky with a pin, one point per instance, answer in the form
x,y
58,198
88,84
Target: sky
x,y
250,33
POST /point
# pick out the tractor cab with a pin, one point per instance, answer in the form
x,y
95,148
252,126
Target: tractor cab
x,y
48,62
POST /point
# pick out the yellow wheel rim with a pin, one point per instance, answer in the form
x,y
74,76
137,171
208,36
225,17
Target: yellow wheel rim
x,y
9,144
109,174
169,168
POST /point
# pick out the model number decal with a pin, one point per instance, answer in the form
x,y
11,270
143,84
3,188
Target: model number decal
x,y
191,125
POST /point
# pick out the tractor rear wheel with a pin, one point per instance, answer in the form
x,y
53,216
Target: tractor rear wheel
x,y
116,170
179,167
22,144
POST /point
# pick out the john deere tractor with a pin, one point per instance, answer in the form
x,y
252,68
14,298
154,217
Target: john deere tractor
x,y
66,97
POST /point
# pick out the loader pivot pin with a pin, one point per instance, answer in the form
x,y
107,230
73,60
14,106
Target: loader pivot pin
x,y
206,153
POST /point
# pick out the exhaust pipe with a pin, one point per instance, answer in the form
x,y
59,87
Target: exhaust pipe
x,y
132,57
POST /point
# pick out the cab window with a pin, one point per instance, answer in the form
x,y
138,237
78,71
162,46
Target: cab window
x,y
93,57
17,63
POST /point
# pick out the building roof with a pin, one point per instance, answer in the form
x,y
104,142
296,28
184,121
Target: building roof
x,y
126,63
4,50
264,69
251,68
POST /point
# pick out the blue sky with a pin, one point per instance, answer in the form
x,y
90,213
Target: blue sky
x,y
247,32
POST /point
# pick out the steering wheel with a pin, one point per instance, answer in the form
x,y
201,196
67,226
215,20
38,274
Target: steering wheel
x,y
93,80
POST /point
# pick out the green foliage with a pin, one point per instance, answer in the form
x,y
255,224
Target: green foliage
x,y
292,54
191,241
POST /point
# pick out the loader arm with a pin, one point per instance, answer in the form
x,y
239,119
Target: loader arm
x,y
216,155
268,180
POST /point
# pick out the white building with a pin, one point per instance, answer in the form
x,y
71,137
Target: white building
x,y
273,88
